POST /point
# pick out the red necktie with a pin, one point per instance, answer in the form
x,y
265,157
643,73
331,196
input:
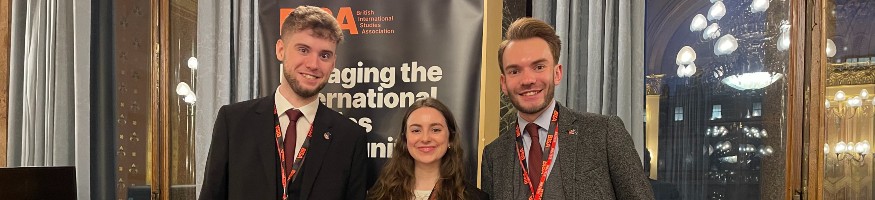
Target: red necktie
x,y
291,136
535,160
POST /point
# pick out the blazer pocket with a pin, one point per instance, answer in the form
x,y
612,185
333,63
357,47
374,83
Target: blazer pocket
x,y
589,170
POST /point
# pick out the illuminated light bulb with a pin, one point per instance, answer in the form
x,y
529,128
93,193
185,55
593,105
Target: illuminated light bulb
x,y
717,11
759,6
686,56
192,63
690,70
859,148
849,147
840,147
825,148
855,102
840,96
699,22
767,150
711,32
190,98
681,71
725,45
830,48
183,89
784,41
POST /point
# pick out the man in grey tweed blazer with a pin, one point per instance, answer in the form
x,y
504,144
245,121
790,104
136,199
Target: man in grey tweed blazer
x,y
593,156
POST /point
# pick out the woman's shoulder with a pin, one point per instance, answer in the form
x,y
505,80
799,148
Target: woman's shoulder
x,y
472,192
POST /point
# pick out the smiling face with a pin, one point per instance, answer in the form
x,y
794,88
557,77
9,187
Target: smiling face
x,y
530,75
307,62
427,136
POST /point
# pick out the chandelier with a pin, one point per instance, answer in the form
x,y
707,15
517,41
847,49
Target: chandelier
x,y
725,44
843,108
751,80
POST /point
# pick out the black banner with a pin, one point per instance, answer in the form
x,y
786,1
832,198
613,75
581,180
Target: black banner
x,y
397,51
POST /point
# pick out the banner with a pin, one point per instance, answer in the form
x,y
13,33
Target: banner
x,y
394,52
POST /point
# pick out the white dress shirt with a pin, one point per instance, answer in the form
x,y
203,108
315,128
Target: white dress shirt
x,y
303,124
543,121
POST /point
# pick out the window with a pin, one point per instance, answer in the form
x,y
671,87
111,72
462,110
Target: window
x,y
757,109
716,112
678,113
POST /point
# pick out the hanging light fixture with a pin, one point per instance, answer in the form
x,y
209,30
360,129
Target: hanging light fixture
x,y
182,88
686,56
717,11
699,22
711,32
725,45
690,69
830,48
784,38
759,6
752,80
686,71
685,60
192,63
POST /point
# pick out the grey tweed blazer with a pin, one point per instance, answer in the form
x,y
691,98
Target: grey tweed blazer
x,y
596,158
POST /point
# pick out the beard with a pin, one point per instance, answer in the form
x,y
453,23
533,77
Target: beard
x,y
548,97
300,90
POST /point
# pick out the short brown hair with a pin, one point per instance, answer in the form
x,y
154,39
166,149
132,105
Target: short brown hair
x,y
525,28
309,17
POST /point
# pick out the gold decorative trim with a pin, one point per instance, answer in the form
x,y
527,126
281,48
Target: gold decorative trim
x,y
653,84
850,74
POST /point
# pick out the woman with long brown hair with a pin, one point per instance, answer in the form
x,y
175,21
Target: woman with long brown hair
x,y
427,160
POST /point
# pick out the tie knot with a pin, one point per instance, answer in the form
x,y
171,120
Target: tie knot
x,y
532,129
294,114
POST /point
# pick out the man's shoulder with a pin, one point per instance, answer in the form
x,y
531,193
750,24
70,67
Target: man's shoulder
x,y
337,119
586,118
248,105
502,142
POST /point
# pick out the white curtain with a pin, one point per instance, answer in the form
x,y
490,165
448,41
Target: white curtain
x,y
602,58
49,86
227,49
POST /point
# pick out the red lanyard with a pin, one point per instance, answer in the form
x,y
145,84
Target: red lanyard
x,y
298,159
551,144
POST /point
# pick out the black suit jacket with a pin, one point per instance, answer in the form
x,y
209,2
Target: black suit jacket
x,y
243,162
473,193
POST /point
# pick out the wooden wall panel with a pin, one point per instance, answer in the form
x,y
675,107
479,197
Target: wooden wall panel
x,y
5,13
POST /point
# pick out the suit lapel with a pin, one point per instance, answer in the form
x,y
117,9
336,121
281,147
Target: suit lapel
x,y
319,145
265,134
518,185
567,148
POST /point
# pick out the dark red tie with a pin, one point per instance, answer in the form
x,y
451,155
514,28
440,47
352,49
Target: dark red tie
x,y
291,136
535,160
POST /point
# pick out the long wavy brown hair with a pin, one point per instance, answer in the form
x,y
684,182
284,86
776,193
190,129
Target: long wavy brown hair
x,y
396,181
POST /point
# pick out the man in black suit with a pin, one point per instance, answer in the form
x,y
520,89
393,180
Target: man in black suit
x,y
289,145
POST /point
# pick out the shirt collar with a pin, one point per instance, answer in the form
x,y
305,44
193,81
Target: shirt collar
x,y
282,105
543,120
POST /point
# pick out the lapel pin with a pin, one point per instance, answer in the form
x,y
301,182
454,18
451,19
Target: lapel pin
x,y
327,135
572,132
